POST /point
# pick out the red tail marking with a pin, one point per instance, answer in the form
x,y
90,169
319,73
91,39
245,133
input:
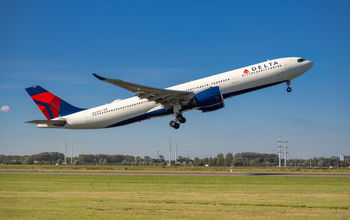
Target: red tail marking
x,y
55,106
45,97
44,111
53,101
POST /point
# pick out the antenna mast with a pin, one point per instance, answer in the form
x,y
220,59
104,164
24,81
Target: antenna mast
x,y
169,151
65,152
71,158
279,151
285,151
175,151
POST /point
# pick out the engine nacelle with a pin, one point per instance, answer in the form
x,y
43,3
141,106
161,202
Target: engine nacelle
x,y
210,99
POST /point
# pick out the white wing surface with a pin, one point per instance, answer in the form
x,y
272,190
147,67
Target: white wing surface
x,y
166,97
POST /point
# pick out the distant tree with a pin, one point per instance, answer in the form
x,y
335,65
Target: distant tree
x,y
161,158
254,162
27,160
228,159
187,160
219,160
13,159
239,159
196,161
320,162
47,157
87,159
2,158
105,161
206,160
211,161
254,159
138,160
147,160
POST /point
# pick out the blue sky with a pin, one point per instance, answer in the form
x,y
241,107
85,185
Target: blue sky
x,y
58,44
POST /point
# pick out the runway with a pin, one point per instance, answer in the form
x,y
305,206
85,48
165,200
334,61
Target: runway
x,y
174,174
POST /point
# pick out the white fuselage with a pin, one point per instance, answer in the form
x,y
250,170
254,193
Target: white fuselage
x,y
231,83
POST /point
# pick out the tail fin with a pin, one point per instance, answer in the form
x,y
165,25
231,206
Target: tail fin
x,y
49,104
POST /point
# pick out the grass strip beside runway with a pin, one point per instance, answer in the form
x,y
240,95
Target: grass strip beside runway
x,y
26,196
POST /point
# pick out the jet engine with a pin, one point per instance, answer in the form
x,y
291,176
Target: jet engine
x,y
209,100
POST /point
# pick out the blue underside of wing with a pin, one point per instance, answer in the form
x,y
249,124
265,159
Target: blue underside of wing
x,y
157,113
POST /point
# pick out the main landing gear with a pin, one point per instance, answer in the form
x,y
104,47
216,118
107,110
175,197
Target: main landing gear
x,y
178,117
176,122
289,89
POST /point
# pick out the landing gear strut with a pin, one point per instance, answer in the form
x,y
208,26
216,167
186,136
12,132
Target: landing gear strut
x,y
289,89
178,117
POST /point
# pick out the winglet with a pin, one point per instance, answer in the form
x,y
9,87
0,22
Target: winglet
x,y
99,77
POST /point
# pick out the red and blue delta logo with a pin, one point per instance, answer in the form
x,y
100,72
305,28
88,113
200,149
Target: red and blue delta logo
x,y
259,68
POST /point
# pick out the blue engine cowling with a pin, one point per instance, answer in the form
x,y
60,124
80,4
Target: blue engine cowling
x,y
210,99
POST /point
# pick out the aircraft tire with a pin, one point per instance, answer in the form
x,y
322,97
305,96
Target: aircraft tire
x,y
289,89
181,119
177,125
172,123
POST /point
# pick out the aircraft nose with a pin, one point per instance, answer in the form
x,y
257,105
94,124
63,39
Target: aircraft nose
x,y
309,64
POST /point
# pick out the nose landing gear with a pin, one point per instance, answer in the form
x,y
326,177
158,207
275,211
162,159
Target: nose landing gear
x,y
289,89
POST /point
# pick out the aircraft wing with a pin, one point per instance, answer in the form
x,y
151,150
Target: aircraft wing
x,y
166,97
59,122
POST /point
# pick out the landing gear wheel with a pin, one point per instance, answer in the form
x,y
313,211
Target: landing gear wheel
x,y
177,125
172,123
181,119
288,84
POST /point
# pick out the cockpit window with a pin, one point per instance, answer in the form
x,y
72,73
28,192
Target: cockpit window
x,y
301,60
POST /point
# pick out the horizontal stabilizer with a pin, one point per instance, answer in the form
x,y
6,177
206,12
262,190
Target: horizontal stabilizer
x,y
60,122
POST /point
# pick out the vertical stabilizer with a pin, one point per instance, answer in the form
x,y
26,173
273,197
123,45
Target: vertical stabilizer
x,y
50,105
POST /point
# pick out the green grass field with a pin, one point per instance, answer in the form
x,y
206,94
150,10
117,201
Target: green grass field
x,y
42,196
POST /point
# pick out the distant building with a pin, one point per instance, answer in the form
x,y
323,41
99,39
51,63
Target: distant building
x,y
335,158
344,158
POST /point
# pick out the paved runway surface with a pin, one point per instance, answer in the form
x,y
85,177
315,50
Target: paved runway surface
x,y
172,174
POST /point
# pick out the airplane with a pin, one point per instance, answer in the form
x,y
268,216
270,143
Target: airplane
x,y
206,94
